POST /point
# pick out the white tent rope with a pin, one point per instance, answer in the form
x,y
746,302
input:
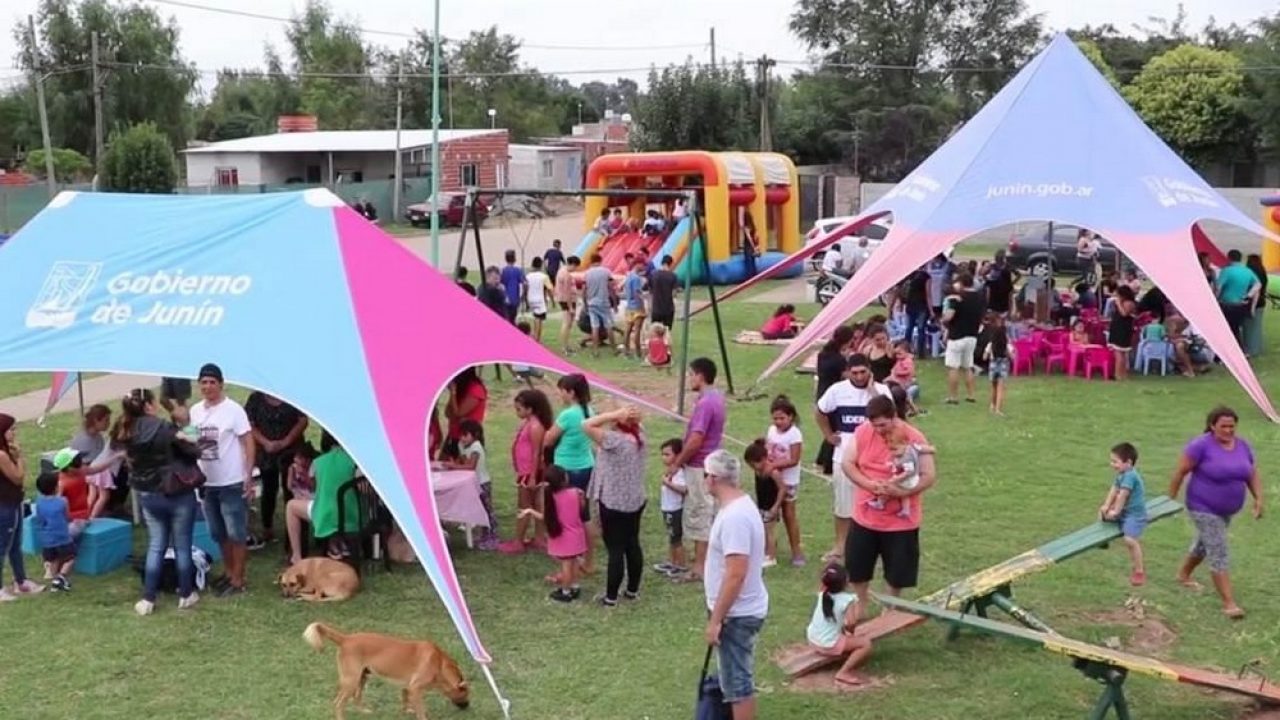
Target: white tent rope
x,y
503,703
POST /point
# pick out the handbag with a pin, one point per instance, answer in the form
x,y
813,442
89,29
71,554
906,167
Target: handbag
x,y
711,704
180,477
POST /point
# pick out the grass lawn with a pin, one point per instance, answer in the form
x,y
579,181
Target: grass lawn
x,y
1005,485
20,383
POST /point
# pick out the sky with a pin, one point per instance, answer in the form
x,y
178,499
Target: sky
x,y
582,39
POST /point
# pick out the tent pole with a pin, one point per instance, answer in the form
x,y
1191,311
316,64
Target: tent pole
x,y
715,307
503,703
467,219
688,297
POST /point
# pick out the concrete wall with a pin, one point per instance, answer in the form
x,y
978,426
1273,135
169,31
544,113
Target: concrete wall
x,y
529,166
202,168
1225,236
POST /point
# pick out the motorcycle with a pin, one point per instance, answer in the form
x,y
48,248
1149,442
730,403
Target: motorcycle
x,y
826,286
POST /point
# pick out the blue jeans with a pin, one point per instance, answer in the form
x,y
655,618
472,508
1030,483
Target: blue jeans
x,y
737,657
169,520
227,513
11,541
918,325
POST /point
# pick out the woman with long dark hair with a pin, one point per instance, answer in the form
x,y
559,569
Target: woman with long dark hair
x,y
468,400
570,444
1253,323
158,455
618,489
13,472
830,370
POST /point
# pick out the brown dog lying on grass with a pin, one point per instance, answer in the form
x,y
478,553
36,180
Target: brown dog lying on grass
x,y
415,665
319,579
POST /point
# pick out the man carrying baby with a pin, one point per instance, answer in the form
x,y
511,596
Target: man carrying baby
x,y
881,530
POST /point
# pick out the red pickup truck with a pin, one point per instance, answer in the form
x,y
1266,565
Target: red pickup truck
x,y
452,210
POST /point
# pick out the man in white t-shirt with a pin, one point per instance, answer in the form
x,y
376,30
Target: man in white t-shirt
x,y
226,459
833,262
737,599
841,409
537,289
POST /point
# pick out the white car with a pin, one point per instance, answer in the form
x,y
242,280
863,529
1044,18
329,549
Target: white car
x,y
875,233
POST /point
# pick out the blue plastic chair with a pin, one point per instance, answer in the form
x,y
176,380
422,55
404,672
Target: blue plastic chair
x,y
1152,351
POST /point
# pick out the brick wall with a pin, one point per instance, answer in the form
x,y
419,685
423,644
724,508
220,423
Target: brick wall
x,y
486,152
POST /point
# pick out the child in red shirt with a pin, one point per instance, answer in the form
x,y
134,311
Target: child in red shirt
x,y
73,486
659,352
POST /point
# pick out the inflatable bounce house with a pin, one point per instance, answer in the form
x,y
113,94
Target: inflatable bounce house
x,y
1271,221
741,195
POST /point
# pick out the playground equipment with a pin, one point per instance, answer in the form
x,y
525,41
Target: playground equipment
x,y
992,587
1107,666
741,194
1271,221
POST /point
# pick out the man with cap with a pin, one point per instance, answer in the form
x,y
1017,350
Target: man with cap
x,y
226,459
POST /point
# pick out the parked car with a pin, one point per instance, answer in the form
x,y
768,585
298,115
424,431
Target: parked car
x,y
875,233
1034,253
453,208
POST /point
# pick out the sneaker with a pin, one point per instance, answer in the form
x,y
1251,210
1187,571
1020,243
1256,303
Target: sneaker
x,y
221,582
628,595
189,601
562,595
664,568
144,607
59,584
769,562
1138,579
255,543
231,591
798,561
576,592
603,601
6,596
28,587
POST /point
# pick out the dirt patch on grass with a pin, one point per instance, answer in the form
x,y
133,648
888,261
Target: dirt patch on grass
x,y
1150,635
824,681
1261,713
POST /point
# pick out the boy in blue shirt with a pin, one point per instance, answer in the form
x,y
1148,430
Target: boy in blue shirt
x,y
1126,504
513,285
633,296
52,525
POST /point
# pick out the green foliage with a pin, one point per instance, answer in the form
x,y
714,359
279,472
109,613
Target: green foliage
x,y
1094,53
140,160
697,107
68,165
1190,96
1262,98
19,126
145,78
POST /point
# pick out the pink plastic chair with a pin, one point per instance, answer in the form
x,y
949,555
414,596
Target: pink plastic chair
x,y
1058,354
1024,355
1075,355
1098,357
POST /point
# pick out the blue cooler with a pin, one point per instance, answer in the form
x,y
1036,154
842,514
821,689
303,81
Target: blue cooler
x,y
29,544
104,546
200,538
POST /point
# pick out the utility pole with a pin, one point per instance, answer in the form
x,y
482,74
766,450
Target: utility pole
x,y
762,74
435,139
399,171
99,122
50,178
713,47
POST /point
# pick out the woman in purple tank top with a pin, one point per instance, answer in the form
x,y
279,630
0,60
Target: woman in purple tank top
x,y
1221,468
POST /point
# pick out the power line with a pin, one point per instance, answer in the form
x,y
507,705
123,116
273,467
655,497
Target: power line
x,y
365,75
413,36
821,65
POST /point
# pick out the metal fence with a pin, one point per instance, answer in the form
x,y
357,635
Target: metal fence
x,y
20,203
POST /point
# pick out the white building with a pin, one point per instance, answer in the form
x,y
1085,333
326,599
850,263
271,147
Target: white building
x,y
468,157
545,167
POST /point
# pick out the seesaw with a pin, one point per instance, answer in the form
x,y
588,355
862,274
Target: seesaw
x,y
992,587
1106,666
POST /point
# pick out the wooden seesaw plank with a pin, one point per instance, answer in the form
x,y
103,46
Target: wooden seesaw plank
x,y
983,582
1258,688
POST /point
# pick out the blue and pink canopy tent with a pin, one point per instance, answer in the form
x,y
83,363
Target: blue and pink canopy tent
x,y
1057,143
291,293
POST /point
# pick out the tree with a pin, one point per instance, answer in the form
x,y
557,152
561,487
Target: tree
x,y
1091,51
1191,96
528,103
697,107
1262,93
68,165
145,75
323,46
140,160
19,126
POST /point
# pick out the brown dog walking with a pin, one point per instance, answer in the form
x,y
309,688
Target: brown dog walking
x,y
415,665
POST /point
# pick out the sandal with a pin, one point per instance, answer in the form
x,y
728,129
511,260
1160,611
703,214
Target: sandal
x,y
1235,612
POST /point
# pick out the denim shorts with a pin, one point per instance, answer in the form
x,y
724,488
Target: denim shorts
x,y
227,513
1133,525
601,318
737,657
674,522
581,479
998,369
